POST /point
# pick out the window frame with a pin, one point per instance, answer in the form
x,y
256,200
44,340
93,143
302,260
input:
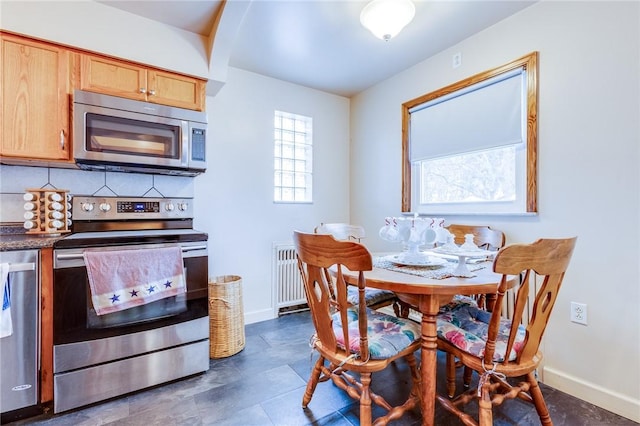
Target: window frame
x,y
530,64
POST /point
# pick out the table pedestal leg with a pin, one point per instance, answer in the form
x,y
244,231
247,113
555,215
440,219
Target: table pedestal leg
x,y
429,305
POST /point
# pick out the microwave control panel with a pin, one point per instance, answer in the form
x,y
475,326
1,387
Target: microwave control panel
x,y
198,144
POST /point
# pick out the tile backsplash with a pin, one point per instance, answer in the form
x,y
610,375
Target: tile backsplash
x,y
14,180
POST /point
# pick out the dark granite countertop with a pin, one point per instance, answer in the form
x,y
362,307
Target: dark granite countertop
x,y
14,237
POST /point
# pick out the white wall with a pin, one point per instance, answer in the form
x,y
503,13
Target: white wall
x,y
588,182
235,197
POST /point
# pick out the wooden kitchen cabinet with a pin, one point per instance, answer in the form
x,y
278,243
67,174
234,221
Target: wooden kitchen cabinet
x,y
46,325
35,87
129,80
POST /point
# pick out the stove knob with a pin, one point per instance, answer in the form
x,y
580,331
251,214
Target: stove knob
x,y
169,207
87,207
105,207
183,206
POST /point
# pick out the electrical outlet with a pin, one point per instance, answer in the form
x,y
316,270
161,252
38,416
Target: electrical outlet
x,y
579,313
456,61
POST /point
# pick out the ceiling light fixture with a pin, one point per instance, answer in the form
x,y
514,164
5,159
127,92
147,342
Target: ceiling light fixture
x,y
386,18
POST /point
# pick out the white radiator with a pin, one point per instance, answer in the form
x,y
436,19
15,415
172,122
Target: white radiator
x,y
287,282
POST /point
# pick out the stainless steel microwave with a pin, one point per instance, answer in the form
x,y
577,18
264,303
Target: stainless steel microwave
x,y
118,134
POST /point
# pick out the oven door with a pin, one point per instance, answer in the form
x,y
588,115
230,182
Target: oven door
x,y
75,320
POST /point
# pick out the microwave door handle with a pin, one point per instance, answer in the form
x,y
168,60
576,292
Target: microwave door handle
x,y
185,155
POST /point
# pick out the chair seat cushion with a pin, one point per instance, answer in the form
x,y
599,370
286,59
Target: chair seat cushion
x,y
465,326
388,335
372,296
457,300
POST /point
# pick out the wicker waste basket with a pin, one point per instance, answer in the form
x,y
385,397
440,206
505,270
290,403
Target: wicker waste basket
x,y
226,320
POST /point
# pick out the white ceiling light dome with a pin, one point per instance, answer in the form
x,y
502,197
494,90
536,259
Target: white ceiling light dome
x,y
386,18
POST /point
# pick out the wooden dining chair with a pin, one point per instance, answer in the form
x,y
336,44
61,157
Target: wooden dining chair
x,y
374,298
352,339
483,236
498,348
342,231
486,238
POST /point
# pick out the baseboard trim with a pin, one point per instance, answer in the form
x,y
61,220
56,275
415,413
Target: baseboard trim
x,y
615,402
257,316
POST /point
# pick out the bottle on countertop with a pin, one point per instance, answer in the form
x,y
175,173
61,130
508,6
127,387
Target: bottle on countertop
x,y
30,206
56,215
56,206
30,224
31,215
54,196
56,224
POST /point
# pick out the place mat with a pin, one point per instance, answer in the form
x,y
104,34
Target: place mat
x,y
437,272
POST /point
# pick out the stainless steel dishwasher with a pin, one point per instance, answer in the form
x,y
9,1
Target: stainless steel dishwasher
x,y
19,348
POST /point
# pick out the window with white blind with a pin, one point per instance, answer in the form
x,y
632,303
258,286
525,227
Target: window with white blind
x,y
470,148
293,158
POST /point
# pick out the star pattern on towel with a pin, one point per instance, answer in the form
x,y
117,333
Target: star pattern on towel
x,y
134,293
115,298
151,289
167,284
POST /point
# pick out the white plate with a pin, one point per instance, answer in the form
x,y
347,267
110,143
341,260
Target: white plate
x,y
425,261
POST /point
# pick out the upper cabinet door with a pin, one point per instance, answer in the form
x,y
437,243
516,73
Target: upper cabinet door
x,y
176,90
35,91
128,80
115,78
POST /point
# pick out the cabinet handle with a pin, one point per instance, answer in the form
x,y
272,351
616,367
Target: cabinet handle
x,y
62,140
143,90
152,92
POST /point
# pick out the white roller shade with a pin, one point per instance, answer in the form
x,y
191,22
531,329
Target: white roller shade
x,y
486,115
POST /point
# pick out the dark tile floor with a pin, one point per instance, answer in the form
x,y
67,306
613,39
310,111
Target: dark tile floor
x,y
263,385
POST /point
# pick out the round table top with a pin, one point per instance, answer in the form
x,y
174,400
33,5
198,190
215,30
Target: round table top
x,y
484,281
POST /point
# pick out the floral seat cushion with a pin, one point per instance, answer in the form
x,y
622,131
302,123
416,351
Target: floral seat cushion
x,y
457,300
372,296
387,334
465,326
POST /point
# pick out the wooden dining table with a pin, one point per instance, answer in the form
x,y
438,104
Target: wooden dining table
x,y
428,295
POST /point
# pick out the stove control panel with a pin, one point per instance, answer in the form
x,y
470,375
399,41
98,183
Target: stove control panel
x,y
117,208
139,206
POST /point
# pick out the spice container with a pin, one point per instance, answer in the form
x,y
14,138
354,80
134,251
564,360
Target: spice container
x,y
47,212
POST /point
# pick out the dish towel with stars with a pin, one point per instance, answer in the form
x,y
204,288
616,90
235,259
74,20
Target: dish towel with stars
x,y
122,279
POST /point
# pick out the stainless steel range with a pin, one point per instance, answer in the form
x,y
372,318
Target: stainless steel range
x,y
100,356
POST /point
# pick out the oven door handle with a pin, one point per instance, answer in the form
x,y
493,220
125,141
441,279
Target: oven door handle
x,y
193,248
22,267
80,256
